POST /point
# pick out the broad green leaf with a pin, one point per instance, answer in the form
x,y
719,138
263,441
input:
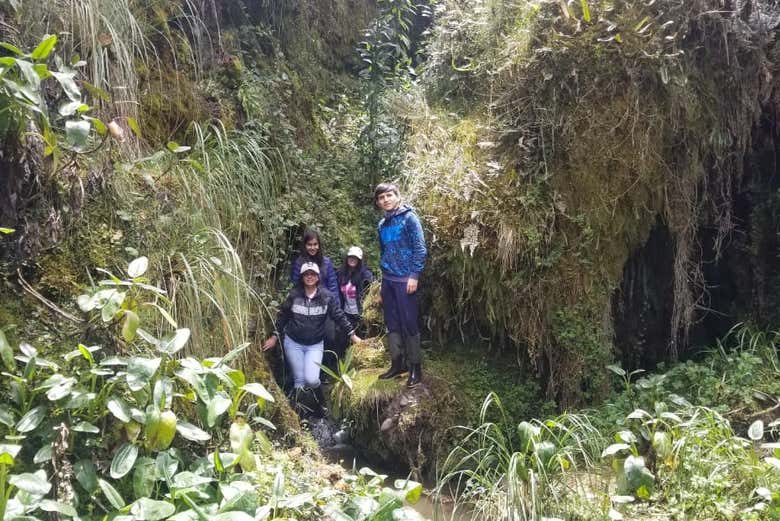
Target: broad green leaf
x,y
636,476
86,427
614,449
163,393
166,466
43,454
617,370
258,390
662,444
6,231
43,50
177,148
123,461
133,124
412,489
189,479
239,496
69,108
140,371
79,399
147,337
32,419
407,514
756,430
544,451
130,325
86,474
191,432
638,414
68,83
671,416
144,477
8,453
47,505
35,484
29,74
145,509
61,390
111,494
6,416
112,304
217,407
10,47
137,267
173,344
6,353
100,127
76,134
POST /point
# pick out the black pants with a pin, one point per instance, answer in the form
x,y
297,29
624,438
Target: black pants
x,y
340,344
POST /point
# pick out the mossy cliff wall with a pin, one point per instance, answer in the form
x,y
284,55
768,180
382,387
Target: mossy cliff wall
x,y
551,140
265,81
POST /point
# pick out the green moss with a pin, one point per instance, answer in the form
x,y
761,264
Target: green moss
x,y
419,424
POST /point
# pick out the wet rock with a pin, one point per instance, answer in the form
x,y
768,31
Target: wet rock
x,y
322,431
341,436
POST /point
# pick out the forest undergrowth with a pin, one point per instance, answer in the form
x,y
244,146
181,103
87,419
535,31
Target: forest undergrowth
x,y
159,161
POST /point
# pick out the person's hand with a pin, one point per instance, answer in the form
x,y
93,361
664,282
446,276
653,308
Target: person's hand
x,y
269,344
355,339
411,286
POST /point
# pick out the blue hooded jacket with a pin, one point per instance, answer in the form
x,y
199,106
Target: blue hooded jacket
x,y
402,244
328,278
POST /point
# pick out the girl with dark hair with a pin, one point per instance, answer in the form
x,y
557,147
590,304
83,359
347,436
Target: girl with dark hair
x,y
354,279
312,251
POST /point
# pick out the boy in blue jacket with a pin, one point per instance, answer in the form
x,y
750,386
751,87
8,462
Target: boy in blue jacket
x,y
402,247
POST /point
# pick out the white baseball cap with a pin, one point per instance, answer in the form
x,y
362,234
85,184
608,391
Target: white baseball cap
x,y
355,251
310,266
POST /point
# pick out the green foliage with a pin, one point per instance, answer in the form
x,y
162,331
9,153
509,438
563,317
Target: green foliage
x,y
501,164
668,457
385,54
374,502
23,103
506,469
342,380
141,402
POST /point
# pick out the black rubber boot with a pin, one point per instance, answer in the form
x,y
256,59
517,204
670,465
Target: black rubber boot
x,y
396,368
296,402
320,411
415,376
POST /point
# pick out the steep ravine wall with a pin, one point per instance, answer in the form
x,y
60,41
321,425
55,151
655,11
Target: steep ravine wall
x,y
598,186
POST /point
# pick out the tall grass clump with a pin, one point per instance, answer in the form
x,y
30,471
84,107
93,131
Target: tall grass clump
x,y
212,293
503,470
202,210
107,35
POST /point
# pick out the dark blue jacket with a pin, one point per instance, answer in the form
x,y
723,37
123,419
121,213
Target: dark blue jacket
x,y
362,280
402,244
328,278
303,319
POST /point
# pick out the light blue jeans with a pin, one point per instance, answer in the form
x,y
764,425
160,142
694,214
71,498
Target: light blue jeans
x,y
304,361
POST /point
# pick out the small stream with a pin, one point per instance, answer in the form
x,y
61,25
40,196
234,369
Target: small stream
x,y
336,446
